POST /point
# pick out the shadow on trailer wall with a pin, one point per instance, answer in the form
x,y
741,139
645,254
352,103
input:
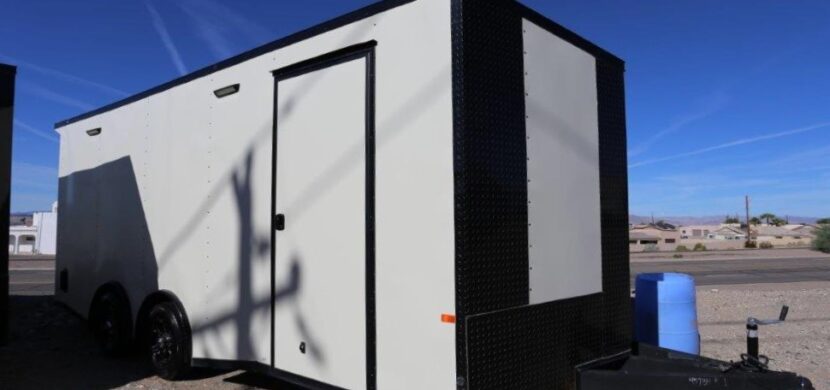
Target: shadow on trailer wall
x,y
103,237
108,223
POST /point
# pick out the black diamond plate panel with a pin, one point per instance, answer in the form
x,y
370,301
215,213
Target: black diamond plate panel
x,y
613,169
490,161
502,342
538,346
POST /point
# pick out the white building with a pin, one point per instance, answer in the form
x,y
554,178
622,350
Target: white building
x,y
39,238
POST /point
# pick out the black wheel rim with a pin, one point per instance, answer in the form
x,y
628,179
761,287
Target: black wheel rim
x,y
162,346
108,329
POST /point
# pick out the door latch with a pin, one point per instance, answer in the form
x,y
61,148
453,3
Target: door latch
x,y
279,222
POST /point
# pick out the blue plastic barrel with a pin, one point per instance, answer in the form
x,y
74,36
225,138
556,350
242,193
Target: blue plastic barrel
x,y
665,312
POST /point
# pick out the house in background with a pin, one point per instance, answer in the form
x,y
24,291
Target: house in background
x,y
727,232
19,219
35,234
700,232
803,228
780,236
652,237
22,240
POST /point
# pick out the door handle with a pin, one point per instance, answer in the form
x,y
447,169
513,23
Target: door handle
x,y
279,222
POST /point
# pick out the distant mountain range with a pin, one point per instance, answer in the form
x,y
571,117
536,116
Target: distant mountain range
x,y
705,220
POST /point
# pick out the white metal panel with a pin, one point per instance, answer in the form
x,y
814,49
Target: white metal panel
x,y
562,169
235,305
321,254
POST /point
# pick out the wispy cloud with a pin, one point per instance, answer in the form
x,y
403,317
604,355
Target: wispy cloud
x,y
221,15
48,94
211,33
215,22
34,176
161,29
35,131
713,103
34,186
738,142
63,76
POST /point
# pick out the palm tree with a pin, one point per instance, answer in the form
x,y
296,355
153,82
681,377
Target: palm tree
x,y
755,221
768,217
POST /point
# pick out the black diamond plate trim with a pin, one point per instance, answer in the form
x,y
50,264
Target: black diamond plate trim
x,y
490,161
613,170
538,346
502,342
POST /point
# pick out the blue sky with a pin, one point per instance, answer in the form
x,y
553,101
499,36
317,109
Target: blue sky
x,y
724,98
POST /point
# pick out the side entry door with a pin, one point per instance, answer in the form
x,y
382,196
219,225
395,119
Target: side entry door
x,y
324,219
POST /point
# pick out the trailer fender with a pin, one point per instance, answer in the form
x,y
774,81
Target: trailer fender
x,y
115,288
124,309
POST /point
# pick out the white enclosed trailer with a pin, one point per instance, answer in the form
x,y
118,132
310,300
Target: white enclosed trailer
x,y
424,194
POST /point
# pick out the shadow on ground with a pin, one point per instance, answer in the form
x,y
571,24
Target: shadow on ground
x,y
51,347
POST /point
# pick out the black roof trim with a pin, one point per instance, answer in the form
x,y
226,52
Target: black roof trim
x,y
340,21
4,68
568,35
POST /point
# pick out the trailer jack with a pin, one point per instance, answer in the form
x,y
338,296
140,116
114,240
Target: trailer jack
x,y
752,360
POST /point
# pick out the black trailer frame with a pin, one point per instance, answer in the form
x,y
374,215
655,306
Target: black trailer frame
x,y
7,76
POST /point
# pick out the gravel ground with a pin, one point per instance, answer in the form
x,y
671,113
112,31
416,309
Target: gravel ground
x,y
50,347
801,344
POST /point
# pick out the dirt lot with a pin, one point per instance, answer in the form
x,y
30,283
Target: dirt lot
x,y
802,344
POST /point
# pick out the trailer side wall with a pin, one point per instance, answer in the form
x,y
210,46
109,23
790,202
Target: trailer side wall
x,y
175,194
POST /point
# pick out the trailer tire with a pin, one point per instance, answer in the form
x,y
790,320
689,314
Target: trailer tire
x,y
110,322
169,341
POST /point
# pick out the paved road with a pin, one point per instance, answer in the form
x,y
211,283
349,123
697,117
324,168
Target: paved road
x,y
743,271
31,275
35,276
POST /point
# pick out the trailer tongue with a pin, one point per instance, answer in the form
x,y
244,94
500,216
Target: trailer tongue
x,y
650,367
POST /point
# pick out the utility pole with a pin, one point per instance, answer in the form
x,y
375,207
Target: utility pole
x,y
748,225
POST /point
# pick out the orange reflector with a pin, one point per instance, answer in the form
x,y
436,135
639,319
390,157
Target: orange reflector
x,y
448,318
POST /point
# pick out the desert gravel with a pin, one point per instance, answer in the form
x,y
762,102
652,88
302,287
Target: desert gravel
x,y
801,344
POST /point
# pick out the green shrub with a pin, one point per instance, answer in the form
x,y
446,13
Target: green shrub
x,y
677,256
682,248
766,245
822,240
750,244
699,247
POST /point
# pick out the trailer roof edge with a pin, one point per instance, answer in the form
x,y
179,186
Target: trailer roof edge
x,y
6,68
331,24
568,35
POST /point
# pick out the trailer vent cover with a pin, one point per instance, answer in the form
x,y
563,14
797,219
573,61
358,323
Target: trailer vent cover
x,y
226,91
